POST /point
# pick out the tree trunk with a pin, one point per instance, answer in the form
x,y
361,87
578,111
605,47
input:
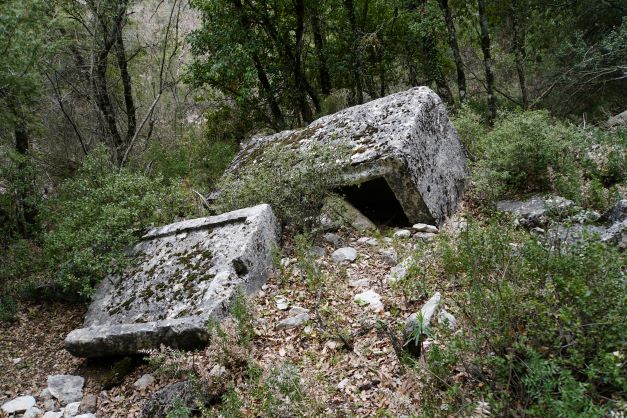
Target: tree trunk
x,y
355,65
520,53
275,109
131,119
457,57
25,210
103,99
299,77
323,71
487,59
433,65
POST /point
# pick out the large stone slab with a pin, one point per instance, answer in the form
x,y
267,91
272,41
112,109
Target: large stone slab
x,y
182,275
405,138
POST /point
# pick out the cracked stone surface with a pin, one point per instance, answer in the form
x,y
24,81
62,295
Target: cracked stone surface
x,y
182,275
405,138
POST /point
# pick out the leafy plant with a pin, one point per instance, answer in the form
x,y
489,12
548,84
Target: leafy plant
x,y
543,326
98,214
293,182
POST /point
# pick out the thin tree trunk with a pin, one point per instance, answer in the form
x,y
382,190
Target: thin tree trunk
x,y
355,61
323,71
433,65
25,211
103,99
301,98
457,57
131,118
487,59
520,53
277,115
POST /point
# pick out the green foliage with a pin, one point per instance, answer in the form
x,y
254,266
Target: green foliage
x,y
314,277
293,182
542,327
203,153
98,214
470,128
528,152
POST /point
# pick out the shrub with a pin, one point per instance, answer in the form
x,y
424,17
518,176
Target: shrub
x,y
100,213
543,328
293,182
529,152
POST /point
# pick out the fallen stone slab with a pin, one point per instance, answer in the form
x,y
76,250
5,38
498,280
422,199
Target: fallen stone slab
x,y
66,388
404,153
18,405
183,274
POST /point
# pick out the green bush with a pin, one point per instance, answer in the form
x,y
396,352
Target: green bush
x,y
100,213
197,158
543,329
293,182
529,152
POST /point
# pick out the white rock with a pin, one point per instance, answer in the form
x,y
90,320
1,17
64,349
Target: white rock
x,y
144,382
17,360
293,321
389,256
316,252
45,394
66,388
402,233
425,228
71,410
343,384
426,313
49,405
425,236
281,303
18,405
285,262
33,412
332,239
369,298
397,273
345,254
445,317
297,310
89,415
51,414
388,240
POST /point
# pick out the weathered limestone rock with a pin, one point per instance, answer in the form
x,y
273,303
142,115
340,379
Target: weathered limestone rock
x,y
66,388
423,318
18,405
344,255
162,401
185,273
535,211
294,321
369,298
404,138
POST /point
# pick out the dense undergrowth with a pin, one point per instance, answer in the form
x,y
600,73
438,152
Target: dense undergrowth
x,y
541,325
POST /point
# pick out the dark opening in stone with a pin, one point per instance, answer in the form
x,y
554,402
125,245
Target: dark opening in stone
x,y
377,201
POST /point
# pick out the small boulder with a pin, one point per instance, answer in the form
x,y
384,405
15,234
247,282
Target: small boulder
x,y
66,388
297,310
160,403
316,252
345,254
144,382
369,298
535,211
293,321
332,239
426,314
33,412
51,414
425,228
18,405
446,318
425,236
88,415
71,410
402,233
389,256
359,283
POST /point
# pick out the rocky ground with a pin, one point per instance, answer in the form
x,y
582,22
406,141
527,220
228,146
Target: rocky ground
x,y
331,324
